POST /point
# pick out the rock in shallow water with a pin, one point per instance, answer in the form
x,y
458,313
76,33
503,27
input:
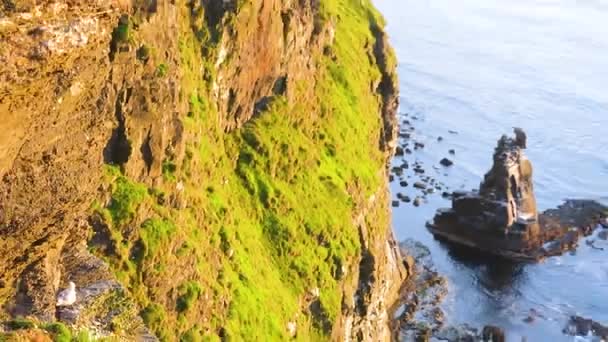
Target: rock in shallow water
x,y
420,185
501,218
493,333
446,162
460,333
580,326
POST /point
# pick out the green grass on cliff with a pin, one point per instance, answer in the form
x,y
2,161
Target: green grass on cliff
x,y
266,215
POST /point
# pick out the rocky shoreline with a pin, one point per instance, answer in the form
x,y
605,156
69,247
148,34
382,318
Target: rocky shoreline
x,y
553,233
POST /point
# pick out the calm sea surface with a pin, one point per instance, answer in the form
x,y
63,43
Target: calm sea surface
x,y
480,68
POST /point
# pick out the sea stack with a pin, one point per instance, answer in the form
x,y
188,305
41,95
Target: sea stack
x,y
500,218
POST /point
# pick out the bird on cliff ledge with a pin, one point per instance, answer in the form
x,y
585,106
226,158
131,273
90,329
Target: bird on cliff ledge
x,y
67,297
520,137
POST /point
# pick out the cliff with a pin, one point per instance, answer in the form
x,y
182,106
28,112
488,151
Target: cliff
x,y
200,169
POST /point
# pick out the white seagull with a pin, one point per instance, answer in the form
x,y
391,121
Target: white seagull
x,y
68,296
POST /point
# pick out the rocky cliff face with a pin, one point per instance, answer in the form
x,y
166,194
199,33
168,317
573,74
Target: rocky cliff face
x,y
198,163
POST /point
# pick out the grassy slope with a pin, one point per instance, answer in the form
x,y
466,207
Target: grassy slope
x,y
269,207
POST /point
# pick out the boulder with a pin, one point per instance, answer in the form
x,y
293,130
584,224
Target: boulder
x,y
492,333
446,162
580,326
420,185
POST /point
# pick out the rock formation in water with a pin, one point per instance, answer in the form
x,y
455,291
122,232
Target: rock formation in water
x,y
502,215
197,167
501,218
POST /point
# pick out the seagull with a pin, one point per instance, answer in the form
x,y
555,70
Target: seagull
x,y
520,137
67,297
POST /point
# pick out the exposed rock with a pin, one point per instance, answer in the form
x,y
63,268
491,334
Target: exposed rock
x,y
492,333
420,185
80,91
452,152
458,333
397,170
417,201
395,204
439,138
446,162
403,183
501,218
421,315
579,326
399,151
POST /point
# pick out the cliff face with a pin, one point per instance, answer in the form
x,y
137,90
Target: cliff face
x,y
217,167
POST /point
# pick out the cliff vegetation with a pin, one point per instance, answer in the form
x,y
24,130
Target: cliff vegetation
x,y
204,171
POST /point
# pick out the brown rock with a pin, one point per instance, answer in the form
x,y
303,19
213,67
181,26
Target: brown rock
x,y
492,333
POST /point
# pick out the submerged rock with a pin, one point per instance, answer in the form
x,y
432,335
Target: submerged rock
x,y
460,333
501,218
579,326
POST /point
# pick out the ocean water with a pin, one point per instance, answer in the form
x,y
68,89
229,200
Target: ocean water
x,y
479,68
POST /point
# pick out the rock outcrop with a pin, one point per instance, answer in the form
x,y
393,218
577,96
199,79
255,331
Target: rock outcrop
x,y
584,327
501,218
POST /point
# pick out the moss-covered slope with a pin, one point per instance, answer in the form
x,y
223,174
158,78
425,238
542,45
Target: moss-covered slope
x,y
262,215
